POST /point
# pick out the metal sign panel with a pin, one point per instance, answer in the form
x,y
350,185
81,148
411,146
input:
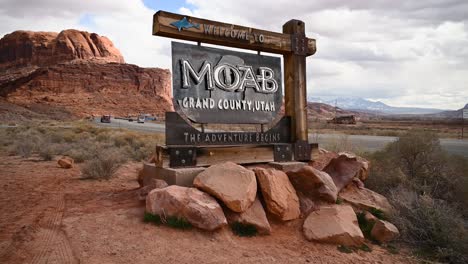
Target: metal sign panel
x,y
180,133
465,113
221,86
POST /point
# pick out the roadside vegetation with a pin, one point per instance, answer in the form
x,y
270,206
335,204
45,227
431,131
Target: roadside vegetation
x,y
429,190
100,150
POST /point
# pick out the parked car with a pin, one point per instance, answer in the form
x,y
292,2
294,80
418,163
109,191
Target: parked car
x,y
105,119
141,119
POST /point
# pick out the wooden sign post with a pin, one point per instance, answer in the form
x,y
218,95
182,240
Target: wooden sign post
x,y
292,44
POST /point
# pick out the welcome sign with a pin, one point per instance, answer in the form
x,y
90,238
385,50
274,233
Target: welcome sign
x,y
218,86
222,86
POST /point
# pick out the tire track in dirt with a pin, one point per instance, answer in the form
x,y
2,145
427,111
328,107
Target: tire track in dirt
x,y
51,245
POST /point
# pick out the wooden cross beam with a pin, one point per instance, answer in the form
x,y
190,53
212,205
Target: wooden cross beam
x,y
292,44
218,33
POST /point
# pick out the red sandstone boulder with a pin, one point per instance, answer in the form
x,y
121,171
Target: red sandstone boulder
x,y
364,171
315,184
336,224
198,208
323,159
280,197
384,231
233,184
65,162
154,184
254,215
343,169
307,205
365,199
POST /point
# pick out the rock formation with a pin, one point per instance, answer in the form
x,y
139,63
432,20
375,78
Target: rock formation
x,y
335,224
233,184
315,184
254,215
279,194
384,231
190,204
27,48
77,73
365,199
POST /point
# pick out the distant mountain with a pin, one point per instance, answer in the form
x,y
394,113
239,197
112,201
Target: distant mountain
x,y
360,104
450,114
326,112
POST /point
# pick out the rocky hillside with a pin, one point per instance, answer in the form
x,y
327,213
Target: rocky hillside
x,y
325,112
75,74
457,114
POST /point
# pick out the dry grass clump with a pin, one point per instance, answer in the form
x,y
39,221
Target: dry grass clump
x,y
103,165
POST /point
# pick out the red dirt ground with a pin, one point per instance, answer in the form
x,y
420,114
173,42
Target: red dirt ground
x,y
49,215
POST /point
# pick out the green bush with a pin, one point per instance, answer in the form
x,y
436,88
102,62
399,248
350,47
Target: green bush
x,y
178,222
172,221
377,213
243,230
345,249
151,218
364,225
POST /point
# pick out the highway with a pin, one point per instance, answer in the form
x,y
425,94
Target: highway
x,y
134,125
361,142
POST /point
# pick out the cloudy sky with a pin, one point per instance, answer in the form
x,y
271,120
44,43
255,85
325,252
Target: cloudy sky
x,y
403,53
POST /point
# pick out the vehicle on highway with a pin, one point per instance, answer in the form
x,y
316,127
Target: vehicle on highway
x,y
105,119
141,119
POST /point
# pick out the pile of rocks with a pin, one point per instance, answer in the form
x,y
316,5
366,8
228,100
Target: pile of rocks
x,y
326,193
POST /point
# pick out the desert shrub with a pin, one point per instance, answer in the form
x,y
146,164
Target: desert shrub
x,y
81,141
377,213
417,160
243,230
172,221
177,222
24,148
365,225
339,201
429,190
79,155
345,249
351,249
5,139
103,165
384,174
47,153
432,226
151,218
25,142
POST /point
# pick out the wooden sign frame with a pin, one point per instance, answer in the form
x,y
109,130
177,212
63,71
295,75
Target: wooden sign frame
x,y
292,43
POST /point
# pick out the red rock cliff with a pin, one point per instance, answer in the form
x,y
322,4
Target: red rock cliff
x,y
26,48
80,73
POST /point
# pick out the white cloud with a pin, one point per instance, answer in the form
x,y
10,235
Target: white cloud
x,y
128,23
407,53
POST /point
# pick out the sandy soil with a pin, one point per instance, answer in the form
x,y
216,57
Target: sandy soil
x,y
49,215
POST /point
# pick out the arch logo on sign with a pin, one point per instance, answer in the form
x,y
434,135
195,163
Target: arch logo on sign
x,y
222,86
